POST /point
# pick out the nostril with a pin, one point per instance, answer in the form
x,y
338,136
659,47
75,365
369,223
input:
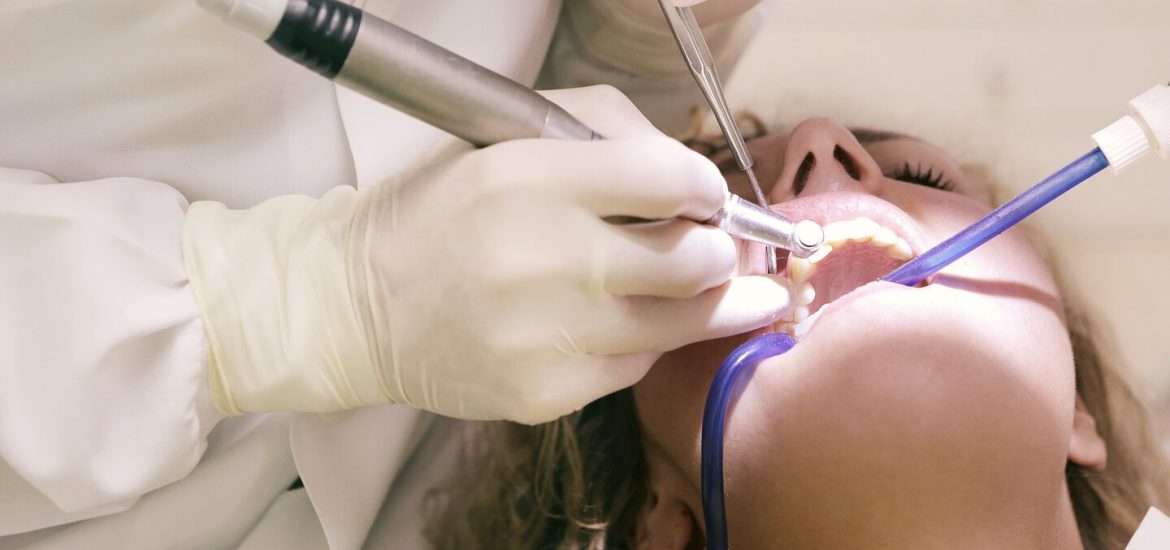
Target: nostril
x,y
847,162
802,173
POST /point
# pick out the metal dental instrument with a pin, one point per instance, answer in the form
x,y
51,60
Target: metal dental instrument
x,y
702,66
400,69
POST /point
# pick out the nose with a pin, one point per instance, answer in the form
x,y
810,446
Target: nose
x,y
823,156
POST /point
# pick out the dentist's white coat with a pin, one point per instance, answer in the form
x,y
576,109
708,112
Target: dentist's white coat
x,y
107,436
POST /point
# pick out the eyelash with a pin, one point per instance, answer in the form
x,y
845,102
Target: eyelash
x,y
920,176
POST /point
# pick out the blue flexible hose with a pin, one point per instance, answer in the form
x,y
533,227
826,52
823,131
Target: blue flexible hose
x,y
999,220
737,369
729,382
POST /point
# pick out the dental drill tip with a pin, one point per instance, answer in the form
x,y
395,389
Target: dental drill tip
x,y
743,219
809,234
807,238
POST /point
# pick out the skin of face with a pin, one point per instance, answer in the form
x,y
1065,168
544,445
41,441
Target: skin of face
x,y
932,417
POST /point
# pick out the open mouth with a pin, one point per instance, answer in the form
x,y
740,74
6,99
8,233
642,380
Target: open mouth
x,y
865,238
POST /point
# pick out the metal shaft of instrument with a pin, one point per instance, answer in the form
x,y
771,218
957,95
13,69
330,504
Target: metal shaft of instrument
x,y
699,61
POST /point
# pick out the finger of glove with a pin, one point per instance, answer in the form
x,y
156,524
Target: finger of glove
x,y
579,381
675,259
604,109
649,177
648,324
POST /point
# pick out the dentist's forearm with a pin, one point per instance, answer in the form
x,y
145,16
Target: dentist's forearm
x,y
103,351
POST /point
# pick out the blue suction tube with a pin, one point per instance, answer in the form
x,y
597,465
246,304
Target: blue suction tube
x,y
999,220
728,383
736,370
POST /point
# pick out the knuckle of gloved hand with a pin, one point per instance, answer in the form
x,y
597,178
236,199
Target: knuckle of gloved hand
x,y
607,97
524,324
538,409
707,184
522,272
501,280
706,258
695,184
498,168
524,254
541,397
719,251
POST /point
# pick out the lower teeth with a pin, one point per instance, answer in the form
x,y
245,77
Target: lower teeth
x,y
801,328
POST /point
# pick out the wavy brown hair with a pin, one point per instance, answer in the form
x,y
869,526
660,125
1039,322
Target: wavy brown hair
x,y
580,482
1110,504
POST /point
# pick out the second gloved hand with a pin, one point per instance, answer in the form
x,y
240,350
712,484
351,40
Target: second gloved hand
x,y
490,288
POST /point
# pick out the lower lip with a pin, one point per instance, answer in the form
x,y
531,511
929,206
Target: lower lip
x,y
856,294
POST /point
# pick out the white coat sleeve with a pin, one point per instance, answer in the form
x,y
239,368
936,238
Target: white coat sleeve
x,y
103,393
604,42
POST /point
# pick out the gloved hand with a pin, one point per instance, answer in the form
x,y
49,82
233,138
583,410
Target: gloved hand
x,y
490,288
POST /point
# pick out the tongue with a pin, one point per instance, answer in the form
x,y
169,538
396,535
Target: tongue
x,y
848,268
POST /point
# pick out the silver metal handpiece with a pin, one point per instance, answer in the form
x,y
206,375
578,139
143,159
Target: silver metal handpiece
x,y
699,61
411,74
749,221
430,83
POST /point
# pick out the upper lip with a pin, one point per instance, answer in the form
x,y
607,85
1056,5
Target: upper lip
x,y
824,208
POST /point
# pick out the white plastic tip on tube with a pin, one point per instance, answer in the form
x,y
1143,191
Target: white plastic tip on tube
x,y
1123,143
256,17
1152,110
1131,137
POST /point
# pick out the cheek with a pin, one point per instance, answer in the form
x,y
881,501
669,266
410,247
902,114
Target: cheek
x,y
1009,260
939,213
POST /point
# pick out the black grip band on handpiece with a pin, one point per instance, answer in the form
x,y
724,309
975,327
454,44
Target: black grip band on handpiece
x,y
317,34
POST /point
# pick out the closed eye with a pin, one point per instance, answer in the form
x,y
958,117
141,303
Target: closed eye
x,y
921,175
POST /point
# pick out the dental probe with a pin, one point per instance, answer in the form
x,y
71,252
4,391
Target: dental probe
x,y
395,67
699,61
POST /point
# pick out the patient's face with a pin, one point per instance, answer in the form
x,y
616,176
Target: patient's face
x,y
956,397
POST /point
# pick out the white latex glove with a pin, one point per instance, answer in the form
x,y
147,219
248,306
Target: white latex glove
x,y
490,288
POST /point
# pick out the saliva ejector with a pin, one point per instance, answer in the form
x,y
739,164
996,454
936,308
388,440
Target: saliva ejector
x,y
1146,129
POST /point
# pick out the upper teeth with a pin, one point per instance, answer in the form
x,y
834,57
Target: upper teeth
x,y
863,230
859,230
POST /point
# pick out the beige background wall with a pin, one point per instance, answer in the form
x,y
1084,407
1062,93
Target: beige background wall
x,y
1017,86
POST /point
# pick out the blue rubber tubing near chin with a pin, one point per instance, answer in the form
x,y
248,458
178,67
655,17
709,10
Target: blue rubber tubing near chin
x,y
729,382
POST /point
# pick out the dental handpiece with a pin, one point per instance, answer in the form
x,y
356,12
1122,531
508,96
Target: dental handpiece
x,y
407,72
